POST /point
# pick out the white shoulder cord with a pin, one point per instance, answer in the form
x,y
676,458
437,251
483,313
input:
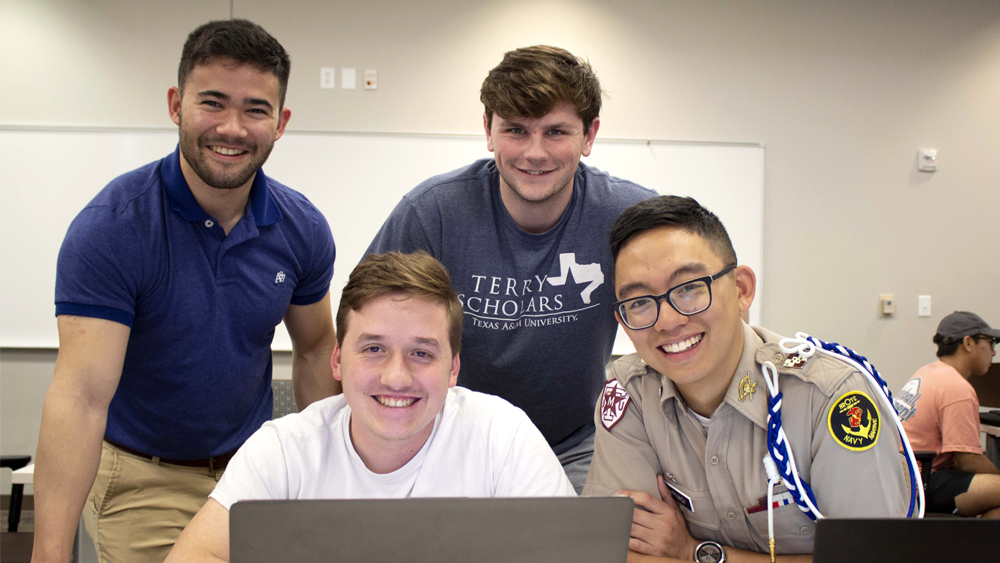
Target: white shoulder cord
x,y
780,455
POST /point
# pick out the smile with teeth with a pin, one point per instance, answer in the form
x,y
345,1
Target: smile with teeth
x,y
683,345
534,172
395,402
227,152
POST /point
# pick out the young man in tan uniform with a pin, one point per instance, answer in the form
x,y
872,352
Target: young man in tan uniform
x,y
682,426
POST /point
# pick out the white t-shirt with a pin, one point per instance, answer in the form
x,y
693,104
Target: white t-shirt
x,y
481,446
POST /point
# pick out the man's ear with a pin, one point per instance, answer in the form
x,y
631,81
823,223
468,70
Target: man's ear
x,y
455,365
969,344
489,133
335,363
746,287
174,104
591,134
283,116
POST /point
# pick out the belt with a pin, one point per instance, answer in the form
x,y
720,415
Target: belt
x,y
212,463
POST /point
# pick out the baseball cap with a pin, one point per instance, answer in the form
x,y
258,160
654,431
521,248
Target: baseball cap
x,y
960,324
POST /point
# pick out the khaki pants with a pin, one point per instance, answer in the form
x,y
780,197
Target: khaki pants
x,y
138,508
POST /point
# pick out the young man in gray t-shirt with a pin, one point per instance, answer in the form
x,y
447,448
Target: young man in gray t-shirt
x,y
525,238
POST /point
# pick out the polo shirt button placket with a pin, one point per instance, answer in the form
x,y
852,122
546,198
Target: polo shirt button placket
x,y
209,223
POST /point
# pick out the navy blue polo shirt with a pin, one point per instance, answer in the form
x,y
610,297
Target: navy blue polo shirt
x,y
202,305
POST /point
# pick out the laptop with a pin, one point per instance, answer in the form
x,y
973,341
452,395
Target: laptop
x,y
927,540
498,530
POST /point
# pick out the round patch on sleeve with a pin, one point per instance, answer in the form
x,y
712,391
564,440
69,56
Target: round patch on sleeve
x,y
854,421
614,401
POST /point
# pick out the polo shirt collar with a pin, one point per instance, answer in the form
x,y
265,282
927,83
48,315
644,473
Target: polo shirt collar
x,y
262,206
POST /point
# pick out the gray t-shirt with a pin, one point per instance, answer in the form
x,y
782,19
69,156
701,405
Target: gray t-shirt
x,y
538,326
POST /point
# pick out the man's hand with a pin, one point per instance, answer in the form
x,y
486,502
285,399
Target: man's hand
x,y
660,529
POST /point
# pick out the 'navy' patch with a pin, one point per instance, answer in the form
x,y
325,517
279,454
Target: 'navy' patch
x,y
854,421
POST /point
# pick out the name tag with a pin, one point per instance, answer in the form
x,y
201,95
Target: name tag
x,y
681,498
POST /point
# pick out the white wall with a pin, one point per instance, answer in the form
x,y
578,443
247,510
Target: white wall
x,y
841,93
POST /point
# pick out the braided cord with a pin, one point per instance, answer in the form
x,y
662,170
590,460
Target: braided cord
x,y
777,447
840,350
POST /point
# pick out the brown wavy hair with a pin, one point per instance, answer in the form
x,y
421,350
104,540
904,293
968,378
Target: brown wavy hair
x,y
530,81
412,275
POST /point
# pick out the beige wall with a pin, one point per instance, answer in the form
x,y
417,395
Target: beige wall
x,y
841,93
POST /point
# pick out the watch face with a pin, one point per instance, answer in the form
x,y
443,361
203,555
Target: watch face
x,y
708,553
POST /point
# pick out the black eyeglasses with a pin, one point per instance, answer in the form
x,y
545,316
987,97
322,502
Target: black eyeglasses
x,y
688,298
993,341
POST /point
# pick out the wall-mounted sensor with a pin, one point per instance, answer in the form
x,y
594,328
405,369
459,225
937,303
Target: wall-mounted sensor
x,y
886,305
927,160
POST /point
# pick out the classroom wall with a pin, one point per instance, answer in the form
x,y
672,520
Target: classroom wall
x,y
842,94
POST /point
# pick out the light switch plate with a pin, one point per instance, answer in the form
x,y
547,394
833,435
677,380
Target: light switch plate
x,y
923,305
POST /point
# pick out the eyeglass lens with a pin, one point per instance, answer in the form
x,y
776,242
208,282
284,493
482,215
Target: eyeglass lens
x,y
689,299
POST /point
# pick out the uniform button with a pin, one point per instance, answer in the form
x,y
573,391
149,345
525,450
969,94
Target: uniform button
x,y
715,460
731,515
778,357
209,223
804,530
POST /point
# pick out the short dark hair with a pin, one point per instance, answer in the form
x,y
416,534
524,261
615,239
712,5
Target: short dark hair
x,y
412,275
239,40
672,211
530,81
947,347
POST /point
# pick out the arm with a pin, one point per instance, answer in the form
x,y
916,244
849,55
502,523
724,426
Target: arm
x,y
206,537
313,340
660,534
960,431
88,368
974,463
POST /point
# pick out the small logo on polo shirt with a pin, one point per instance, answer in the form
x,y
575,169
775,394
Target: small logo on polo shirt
x,y
280,278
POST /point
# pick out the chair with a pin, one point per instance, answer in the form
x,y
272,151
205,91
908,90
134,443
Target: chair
x,y
15,462
925,458
284,398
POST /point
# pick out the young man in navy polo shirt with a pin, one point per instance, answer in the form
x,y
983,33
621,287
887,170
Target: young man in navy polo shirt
x,y
169,286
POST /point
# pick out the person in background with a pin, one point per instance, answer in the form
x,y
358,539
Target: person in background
x,y
169,286
940,412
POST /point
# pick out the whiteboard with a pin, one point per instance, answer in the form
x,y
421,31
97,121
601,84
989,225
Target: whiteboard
x,y
47,175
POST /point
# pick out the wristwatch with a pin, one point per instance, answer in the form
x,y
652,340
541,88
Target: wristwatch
x,y
709,552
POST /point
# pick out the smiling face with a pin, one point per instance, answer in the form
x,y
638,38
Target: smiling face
x,y
229,118
396,366
537,157
698,353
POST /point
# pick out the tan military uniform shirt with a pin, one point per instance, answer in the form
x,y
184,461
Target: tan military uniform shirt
x,y
721,471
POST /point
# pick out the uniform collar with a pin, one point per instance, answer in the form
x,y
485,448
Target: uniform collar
x,y
262,207
748,382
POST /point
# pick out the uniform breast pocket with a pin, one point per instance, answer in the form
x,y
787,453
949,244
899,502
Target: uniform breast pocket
x,y
698,510
793,530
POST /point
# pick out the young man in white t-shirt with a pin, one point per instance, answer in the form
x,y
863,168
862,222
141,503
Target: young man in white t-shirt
x,y
400,429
